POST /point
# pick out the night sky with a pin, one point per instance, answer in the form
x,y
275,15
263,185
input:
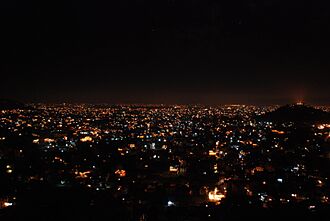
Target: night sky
x,y
165,51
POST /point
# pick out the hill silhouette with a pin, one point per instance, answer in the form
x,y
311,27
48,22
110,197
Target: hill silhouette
x,y
298,114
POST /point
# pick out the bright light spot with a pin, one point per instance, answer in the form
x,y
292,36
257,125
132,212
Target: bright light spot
x,y
7,204
174,169
121,173
312,207
170,203
86,139
215,196
212,153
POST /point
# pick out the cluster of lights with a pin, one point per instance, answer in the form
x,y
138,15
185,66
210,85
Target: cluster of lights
x,y
215,196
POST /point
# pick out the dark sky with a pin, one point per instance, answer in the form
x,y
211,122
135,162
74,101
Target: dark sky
x,y
165,51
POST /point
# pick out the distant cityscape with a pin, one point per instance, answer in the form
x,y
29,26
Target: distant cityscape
x,y
164,162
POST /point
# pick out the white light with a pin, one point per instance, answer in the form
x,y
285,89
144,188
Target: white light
x,y
170,203
6,204
280,180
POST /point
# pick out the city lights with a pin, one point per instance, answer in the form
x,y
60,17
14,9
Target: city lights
x,y
202,157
